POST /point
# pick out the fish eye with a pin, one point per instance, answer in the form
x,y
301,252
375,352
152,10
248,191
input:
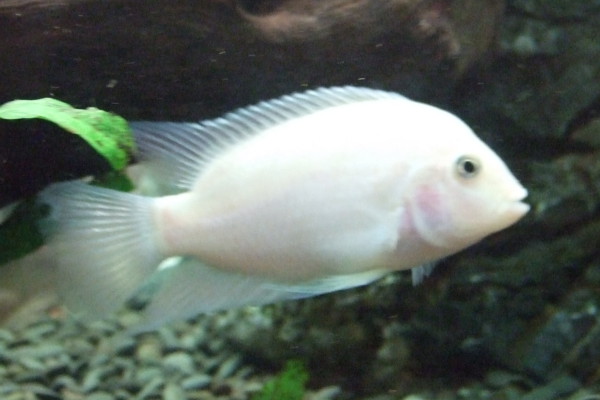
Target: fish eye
x,y
467,167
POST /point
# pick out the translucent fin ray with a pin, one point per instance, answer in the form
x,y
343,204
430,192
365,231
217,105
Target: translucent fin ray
x,y
177,152
104,244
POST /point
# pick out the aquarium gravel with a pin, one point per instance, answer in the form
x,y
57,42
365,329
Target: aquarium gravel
x,y
59,358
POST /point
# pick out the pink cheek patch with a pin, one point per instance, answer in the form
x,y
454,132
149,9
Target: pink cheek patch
x,y
430,208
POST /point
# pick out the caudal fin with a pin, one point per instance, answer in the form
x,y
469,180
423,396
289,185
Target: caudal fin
x,y
104,241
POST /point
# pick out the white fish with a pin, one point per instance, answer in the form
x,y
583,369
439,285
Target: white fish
x,y
306,194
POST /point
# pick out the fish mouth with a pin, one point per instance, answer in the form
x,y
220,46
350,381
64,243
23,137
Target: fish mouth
x,y
518,208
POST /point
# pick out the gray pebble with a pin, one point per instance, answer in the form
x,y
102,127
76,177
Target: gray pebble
x,y
28,377
124,345
149,350
195,382
213,362
64,381
327,393
37,351
50,350
558,388
92,379
32,364
97,360
180,361
173,392
151,388
37,332
499,379
216,345
6,388
192,339
103,326
80,346
20,395
41,391
129,319
100,396
244,372
146,374
228,367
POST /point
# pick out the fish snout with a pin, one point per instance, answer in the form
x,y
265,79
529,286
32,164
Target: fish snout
x,y
517,207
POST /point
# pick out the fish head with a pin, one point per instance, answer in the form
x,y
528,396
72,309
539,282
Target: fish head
x,y
466,192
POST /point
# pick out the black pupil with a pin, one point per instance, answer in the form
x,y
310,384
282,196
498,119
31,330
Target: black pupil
x,y
469,167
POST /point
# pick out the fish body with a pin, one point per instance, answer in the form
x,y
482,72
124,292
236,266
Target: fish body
x,y
307,194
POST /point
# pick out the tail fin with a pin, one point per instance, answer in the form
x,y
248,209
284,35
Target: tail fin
x,y
104,241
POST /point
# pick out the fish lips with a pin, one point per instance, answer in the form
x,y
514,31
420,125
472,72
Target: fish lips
x,y
517,208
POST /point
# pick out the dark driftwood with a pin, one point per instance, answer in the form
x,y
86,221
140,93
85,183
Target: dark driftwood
x,y
192,59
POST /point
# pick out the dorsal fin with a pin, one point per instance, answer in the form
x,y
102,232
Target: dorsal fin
x,y
176,153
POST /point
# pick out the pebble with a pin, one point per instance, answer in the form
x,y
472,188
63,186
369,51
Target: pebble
x,y
180,361
191,340
173,392
100,396
125,346
96,360
147,374
150,349
499,378
64,381
326,393
38,331
37,351
92,379
27,377
42,392
32,363
228,367
7,388
151,388
195,382
557,389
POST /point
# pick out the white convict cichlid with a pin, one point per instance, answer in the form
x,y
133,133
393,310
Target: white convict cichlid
x,y
306,194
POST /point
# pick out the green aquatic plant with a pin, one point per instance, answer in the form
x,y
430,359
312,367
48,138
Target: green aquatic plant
x,y
107,133
19,234
288,385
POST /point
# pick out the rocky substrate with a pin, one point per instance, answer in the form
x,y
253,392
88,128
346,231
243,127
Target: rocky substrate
x,y
58,358
231,355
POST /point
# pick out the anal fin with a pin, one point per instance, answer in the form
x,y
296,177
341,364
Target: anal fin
x,y
191,288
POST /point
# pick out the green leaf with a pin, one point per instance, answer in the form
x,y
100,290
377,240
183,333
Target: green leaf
x,y
288,385
107,133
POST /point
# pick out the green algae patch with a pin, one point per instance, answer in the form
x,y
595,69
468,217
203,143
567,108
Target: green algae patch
x,y
105,132
288,385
